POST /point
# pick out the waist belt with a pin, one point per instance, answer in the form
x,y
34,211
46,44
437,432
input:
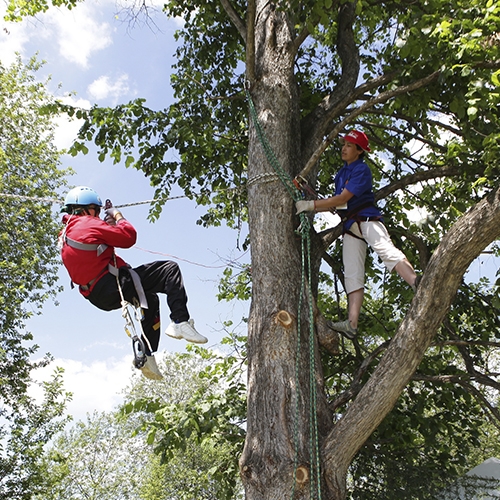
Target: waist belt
x,y
110,268
358,220
136,280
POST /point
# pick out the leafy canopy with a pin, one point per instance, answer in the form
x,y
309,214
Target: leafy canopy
x,y
29,180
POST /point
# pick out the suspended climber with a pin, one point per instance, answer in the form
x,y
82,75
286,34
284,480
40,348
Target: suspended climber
x,y
362,225
88,252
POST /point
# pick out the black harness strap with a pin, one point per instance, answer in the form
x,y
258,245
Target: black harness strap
x,y
353,215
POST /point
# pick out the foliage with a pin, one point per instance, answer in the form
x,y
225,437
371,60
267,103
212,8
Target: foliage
x,y
28,273
191,473
440,426
24,436
18,9
29,173
198,434
96,459
121,454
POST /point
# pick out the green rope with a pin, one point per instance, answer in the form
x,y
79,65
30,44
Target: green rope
x,y
304,230
284,177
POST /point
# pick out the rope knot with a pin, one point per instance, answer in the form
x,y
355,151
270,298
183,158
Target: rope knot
x,y
305,226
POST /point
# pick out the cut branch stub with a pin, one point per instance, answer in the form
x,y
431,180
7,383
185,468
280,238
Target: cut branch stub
x,y
285,318
302,475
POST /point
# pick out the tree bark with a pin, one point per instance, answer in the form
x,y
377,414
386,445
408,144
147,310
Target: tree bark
x,y
463,243
278,406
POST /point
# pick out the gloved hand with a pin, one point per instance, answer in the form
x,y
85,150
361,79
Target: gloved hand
x,y
112,216
304,206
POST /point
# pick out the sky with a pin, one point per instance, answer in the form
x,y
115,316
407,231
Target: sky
x,y
94,54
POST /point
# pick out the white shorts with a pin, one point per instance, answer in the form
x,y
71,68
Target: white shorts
x,y
375,234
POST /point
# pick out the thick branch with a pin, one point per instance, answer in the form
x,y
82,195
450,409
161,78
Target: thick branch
x,y
250,41
235,18
302,36
327,338
316,123
347,49
408,180
383,97
462,244
300,39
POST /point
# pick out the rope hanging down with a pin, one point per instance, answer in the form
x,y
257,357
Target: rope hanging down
x,y
304,230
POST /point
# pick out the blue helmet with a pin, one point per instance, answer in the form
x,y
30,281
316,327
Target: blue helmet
x,y
80,196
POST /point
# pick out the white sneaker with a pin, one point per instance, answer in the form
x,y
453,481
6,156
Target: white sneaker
x,y
185,330
150,369
173,331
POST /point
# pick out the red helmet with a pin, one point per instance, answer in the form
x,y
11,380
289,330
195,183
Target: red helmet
x,y
358,138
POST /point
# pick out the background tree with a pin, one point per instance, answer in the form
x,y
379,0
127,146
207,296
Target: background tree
x,y
196,424
28,273
111,454
421,78
98,459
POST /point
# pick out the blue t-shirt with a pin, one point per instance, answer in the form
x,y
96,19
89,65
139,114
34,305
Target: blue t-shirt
x,y
357,179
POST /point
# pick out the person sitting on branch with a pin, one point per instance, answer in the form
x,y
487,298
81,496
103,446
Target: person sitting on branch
x,y
362,225
88,252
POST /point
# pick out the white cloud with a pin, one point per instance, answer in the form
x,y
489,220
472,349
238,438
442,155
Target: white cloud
x,y
103,87
13,37
80,34
96,386
66,129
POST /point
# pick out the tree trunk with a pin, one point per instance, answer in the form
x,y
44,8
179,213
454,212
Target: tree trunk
x,y
280,446
278,407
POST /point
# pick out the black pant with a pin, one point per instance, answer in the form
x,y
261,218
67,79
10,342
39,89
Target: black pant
x,y
156,277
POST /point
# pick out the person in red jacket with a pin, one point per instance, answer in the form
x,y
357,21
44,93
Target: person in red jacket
x,y
88,252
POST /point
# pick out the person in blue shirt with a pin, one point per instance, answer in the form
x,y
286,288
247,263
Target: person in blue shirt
x,y
363,225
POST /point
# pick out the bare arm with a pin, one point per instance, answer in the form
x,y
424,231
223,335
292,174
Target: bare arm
x,y
333,201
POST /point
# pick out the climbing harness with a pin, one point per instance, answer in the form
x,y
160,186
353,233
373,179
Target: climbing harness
x,y
85,246
304,231
138,304
354,215
138,346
